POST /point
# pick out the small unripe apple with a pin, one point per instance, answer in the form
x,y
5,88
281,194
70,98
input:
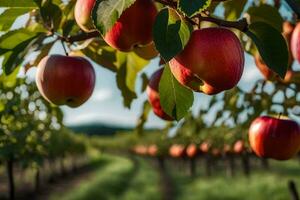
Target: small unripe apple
x,y
134,27
211,62
295,43
65,80
191,150
83,12
153,95
275,138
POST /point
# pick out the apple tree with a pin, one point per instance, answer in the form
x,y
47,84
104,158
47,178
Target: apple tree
x,y
201,46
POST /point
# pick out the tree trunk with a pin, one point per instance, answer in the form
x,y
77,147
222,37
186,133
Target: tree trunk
x,y
11,182
230,165
62,167
265,163
52,173
192,167
246,164
161,162
208,165
37,179
74,164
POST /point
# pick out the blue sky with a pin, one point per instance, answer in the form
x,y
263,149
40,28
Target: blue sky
x,y
106,104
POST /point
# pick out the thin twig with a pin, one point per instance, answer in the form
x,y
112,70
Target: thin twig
x,y
64,47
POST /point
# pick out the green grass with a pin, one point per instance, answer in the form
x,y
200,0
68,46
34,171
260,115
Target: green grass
x,y
119,178
145,185
261,185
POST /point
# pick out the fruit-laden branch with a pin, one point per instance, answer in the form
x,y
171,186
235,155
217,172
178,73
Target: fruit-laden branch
x,y
295,6
241,25
81,37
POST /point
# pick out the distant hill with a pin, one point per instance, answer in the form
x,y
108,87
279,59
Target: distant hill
x,y
99,129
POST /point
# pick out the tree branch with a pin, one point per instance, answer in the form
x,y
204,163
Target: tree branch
x,y
241,25
295,6
167,3
81,37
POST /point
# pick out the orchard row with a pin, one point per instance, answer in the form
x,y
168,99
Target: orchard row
x,y
31,131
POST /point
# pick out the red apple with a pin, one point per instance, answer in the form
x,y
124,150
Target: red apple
x,y
177,150
134,27
153,95
152,150
216,152
227,149
211,62
204,147
239,147
191,151
83,12
65,80
275,138
140,149
295,43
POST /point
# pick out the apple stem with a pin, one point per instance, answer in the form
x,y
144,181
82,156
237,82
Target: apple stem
x,y
64,47
279,115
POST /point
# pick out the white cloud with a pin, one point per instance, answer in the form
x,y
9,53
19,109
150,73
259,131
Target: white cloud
x,y
102,95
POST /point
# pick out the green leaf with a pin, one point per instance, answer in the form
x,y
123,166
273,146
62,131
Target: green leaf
x,y
175,99
18,3
13,38
51,14
271,46
234,9
9,81
15,57
8,17
102,54
193,7
107,12
129,65
266,13
170,33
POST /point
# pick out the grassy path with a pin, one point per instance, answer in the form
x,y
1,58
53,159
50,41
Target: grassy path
x,y
119,179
